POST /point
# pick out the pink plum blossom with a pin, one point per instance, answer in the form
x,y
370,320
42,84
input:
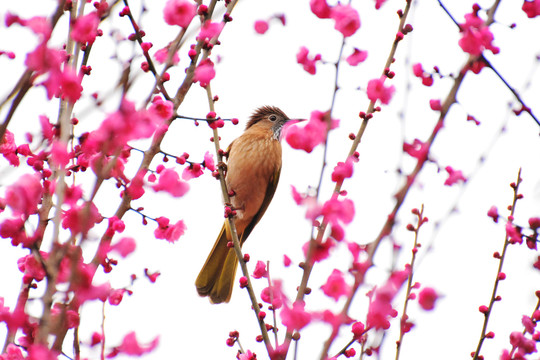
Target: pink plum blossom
x,y
380,308
171,233
427,298
8,148
116,296
334,320
358,330
204,72
476,36
248,355
209,162
295,318
44,59
493,213
135,188
312,134
321,250
192,171
130,345
320,8
121,126
160,108
210,30
162,54
286,261
85,28
273,295
379,3
427,79
179,12
337,212
261,26
417,149
81,218
531,8
454,176
357,57
59,154
169,181
32,268
524,345
343,170
308,62
14,229
346,18
377,91
336,286
260,270
125,246
24,195
435,104
513,234
47,128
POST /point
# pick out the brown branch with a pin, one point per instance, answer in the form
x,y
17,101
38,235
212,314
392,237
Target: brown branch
x,y
308,264
25,81
493,298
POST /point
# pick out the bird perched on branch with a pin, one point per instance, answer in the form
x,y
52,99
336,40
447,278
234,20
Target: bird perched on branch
x,y
253,168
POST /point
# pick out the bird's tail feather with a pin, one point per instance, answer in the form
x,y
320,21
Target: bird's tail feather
x,y
216,278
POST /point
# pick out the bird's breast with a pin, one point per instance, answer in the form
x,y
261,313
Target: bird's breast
x,y
254,160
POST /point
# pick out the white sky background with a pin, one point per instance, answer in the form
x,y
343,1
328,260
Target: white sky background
x,y
258,70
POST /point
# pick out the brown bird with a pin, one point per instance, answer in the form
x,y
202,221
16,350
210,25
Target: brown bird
x,y
253,168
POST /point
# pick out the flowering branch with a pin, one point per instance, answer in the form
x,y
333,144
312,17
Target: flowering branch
x,y
482,58
508,239
366,117
405,325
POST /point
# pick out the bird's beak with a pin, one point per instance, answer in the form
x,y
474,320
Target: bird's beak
x,y
294,121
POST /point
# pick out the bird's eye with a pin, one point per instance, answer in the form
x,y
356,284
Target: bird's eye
x,y
272,117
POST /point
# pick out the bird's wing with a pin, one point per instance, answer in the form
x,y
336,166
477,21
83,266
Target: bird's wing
x,y
270,190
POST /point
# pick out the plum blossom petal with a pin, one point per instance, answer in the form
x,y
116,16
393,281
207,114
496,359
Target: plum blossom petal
x,y
357,57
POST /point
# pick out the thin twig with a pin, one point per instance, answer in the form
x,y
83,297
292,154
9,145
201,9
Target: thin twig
x,y
491,14
493,298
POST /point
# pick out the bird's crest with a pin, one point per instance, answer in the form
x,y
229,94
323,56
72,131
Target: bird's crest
x,y
263,112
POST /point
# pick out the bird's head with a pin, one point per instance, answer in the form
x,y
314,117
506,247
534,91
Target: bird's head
x,y
270,117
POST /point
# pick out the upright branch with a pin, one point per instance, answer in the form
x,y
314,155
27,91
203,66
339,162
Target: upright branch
x,y
509,239
404,324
